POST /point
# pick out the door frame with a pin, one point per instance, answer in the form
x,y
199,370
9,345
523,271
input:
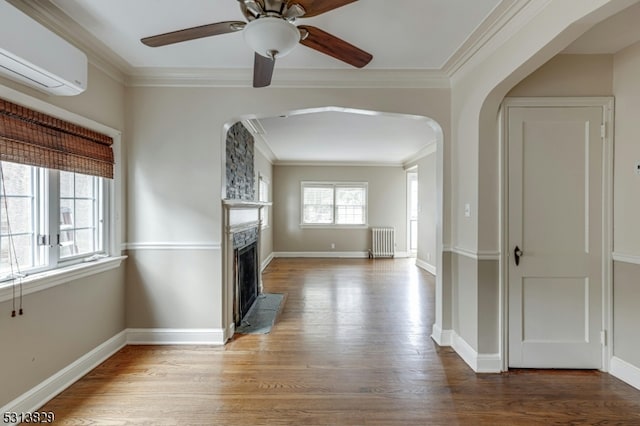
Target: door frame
x,y
607,106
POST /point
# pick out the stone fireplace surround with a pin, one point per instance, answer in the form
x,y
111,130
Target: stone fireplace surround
x,y
242,225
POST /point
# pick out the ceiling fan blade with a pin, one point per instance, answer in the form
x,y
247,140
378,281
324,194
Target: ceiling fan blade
x,y
262,70
193,33
331,45
317,7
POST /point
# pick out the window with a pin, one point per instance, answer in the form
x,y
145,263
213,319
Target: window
x,y
263,196
49,218
330,203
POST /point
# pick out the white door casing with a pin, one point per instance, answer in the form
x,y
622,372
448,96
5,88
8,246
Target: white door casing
x,y
557,216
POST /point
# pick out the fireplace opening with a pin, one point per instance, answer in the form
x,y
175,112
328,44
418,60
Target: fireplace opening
x,y
246,266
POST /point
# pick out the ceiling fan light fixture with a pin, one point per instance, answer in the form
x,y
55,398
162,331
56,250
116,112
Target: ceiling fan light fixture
x,y
271,36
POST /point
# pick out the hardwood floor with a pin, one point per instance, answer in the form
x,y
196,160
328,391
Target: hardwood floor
x,y
351,347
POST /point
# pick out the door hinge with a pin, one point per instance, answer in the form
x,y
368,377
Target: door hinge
x,y
603,338
603,130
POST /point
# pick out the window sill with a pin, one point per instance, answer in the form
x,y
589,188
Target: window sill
x,y
41,281
332,226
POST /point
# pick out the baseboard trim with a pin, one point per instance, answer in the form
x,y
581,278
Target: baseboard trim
x,y
266,262
332,254
624,371
442,337
39,395
323,254
480,363
427,267
176,336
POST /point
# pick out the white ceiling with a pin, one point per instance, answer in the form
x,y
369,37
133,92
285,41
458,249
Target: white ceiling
x,y
346,136
429,37
406,34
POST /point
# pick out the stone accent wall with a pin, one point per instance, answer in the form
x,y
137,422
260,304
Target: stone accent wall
x,y
240,174
244,238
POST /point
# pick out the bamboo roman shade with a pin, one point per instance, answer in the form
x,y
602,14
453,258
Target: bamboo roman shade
x,y
37,139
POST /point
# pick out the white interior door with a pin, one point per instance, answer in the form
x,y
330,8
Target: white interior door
x,y
555,172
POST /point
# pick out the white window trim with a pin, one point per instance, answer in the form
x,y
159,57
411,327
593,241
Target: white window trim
x,y
334,225
42,280
263,178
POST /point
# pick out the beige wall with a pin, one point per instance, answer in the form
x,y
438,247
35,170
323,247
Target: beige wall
x,y
63,323
263,167
478,88
387,207
627,151
569,75
427,215
626,205
174,146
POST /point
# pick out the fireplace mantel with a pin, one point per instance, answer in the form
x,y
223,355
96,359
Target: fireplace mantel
x,y
239,216
242,204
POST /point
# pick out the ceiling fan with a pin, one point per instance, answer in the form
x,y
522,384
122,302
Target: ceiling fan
x,y
271,33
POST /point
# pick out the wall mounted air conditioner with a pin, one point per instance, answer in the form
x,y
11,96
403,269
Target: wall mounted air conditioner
x,y
33,55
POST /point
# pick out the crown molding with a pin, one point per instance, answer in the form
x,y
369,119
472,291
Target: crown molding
x,y
497,19
492,32
289,78
432,148
513,20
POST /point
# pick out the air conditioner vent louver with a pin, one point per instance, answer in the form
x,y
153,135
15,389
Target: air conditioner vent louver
x,y
33,55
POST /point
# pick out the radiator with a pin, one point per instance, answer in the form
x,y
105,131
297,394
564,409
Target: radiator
x,y
383,241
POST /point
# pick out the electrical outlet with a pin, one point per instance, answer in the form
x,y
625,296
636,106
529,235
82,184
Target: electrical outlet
x,y
333,246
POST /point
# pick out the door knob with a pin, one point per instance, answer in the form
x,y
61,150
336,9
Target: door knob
x,y
517,253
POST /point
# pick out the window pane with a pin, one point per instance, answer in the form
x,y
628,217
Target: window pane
x,y
84,186
318,214
318,195
20,215
85,241
350,205
66,185
84,214
17,220
17,179
318,205
23,249
79,226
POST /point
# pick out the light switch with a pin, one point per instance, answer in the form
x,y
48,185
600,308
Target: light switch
x,y
638,168
467,210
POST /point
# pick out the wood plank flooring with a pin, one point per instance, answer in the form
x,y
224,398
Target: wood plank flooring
x,y
351,347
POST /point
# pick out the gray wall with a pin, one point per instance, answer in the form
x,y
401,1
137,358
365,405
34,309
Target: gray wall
x,y
387,207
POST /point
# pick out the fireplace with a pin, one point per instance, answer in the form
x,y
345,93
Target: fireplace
x,y
241,260
246,276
